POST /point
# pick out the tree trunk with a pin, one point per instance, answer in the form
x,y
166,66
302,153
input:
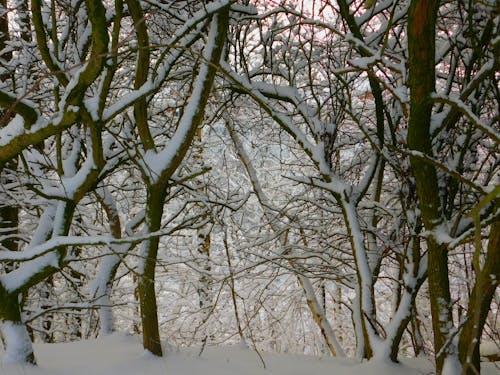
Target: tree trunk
x,y
109,265
147,293
181,141
318,313
364,307
17,342
202,244
487,280
204,289
416,334
421,50
12,330
405,300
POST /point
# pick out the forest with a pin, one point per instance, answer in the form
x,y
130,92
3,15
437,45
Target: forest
x,y
296,176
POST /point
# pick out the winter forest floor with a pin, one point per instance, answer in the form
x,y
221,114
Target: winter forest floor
x,y
120,354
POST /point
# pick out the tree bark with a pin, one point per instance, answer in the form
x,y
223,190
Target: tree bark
x,y
147,294
487,280
421,56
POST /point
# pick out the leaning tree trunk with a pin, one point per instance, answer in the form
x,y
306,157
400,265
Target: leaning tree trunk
x,y
364,309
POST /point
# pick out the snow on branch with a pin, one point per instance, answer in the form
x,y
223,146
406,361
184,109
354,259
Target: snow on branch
x,y
471,116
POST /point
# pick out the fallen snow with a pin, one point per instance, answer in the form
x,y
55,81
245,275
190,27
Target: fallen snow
x,y
121,354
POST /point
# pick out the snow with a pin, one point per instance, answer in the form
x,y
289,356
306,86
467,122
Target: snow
x,y
442,234
159,162
476,121
121,354
489,348
451,366
20,276
14,129
364,63
19,345
126,100
244,9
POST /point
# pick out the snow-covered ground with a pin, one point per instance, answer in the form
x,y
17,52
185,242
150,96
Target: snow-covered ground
x,y
120,354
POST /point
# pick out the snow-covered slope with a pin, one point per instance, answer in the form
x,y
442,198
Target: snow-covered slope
x,y
122,355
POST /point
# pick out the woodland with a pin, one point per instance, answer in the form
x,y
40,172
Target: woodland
x,y
297,176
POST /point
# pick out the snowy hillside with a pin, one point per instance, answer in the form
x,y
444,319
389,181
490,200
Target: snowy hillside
x,y
123,355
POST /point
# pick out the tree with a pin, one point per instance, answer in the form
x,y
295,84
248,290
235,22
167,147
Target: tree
x,y
319,122
159,166
422,20
84,73
372,41
348,148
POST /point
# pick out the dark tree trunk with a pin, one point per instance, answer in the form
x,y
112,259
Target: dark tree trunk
x,y
147,293
421,56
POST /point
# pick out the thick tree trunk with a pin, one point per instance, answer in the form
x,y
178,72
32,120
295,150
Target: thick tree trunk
x,y
421,47
15,337
401,322
106,321
181,141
